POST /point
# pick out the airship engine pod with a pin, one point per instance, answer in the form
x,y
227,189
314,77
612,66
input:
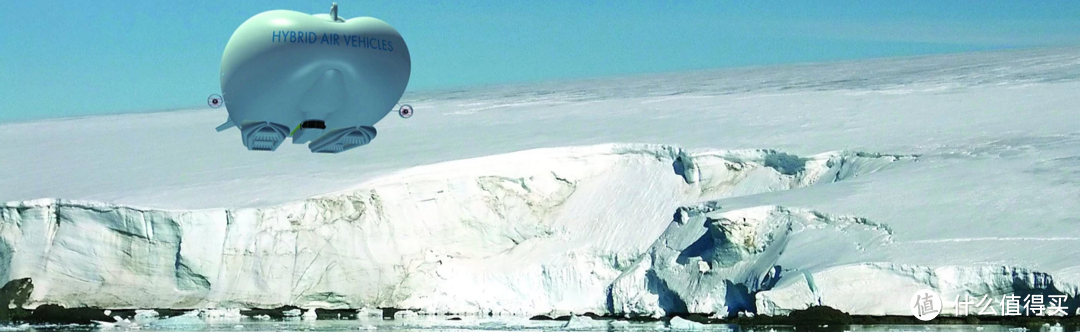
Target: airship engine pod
x,y
319,79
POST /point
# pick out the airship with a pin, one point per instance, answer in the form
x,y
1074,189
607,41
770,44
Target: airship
x,y
319,79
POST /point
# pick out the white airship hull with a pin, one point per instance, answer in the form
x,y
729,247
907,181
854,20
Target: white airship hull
x,y
321,81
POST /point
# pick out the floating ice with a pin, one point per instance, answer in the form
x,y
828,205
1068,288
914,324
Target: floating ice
x,y
584,323
678,323
291,313
188,320
406,314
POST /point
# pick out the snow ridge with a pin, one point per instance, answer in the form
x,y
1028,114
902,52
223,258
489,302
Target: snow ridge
x,y
547,231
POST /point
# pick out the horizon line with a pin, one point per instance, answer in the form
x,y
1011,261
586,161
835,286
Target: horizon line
x,y
527,83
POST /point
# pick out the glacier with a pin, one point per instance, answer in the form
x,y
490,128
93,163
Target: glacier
x,y
761,190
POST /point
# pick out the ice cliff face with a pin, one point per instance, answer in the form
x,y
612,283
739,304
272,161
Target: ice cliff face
x,y
610,228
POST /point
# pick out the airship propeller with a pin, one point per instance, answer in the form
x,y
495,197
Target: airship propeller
x,y
406,111
215,101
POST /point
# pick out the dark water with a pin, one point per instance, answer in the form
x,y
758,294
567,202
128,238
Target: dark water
x,y
486,324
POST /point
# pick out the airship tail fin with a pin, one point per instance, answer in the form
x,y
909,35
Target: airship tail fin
x,y
228,124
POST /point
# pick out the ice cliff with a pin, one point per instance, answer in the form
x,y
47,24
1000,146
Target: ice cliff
x,y
619,228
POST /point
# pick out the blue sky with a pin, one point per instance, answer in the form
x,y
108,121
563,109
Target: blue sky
x,y
76,58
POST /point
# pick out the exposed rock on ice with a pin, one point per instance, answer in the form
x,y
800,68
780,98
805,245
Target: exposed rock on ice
x,y
14,294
